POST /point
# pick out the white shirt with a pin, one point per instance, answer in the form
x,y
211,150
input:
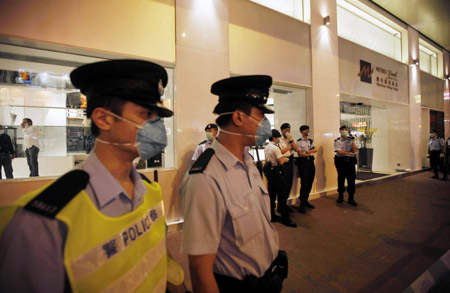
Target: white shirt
x,y
30,137
272,153
285,143
203,146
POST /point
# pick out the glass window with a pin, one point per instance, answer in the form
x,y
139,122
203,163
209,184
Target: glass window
x,y
35,84
428,60
299,9
364,29
289,104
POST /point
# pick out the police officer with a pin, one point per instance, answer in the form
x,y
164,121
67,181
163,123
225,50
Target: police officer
x,y
306,168
101,226
275,181
288,148
7,154
436,150
345,162
211,132
227,233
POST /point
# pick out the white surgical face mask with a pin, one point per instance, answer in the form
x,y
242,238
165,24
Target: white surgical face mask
x,y
344,132
209,136
262,133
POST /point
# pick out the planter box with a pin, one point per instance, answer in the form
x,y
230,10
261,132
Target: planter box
x,y
365,159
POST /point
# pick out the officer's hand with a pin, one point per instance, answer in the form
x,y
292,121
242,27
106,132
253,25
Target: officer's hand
x,y
176,289
287,159
441,155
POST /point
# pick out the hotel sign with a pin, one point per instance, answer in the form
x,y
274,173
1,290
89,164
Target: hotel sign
x,y
385,78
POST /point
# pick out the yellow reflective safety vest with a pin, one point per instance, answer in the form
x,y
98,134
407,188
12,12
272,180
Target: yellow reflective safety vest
x,y
101,253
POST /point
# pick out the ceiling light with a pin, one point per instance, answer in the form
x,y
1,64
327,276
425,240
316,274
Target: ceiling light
x,y
416,62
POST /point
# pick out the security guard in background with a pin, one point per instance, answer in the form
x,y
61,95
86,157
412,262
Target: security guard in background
x,y
345,162
101,226
275,181
436,150
306,168
211,133
231,244
288,147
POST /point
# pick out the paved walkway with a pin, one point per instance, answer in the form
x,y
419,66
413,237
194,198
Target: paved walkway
x,y
400,228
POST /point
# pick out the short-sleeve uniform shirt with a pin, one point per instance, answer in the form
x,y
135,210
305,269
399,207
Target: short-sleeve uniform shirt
x,y
283,144
272,153
304,144
436,144
341,144
201,148
227,212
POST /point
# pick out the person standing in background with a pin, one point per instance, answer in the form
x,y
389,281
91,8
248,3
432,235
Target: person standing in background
x,y
345,161
436,150
31,145
288,147
306,167
7,154
211,133
275,181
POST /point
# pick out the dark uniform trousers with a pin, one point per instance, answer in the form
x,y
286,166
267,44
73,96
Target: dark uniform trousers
x,y
288,172
6,163
276,186
307,172
435,161
346,170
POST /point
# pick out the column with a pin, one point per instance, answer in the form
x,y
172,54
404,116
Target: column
x,y
415,101
325,93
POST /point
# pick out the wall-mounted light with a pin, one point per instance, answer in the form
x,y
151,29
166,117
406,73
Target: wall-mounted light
x,y
447,76
326,20
416,62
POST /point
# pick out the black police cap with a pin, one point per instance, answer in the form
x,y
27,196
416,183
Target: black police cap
x,y
276,133
211,126
343,127
304,127
137,81
253,89
285,125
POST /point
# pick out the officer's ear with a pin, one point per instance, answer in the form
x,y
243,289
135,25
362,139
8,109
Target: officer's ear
x,y
102,119
238,118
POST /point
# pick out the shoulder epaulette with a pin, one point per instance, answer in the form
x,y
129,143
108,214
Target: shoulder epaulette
x,y
202,142
310,140
202,161
145,178
54,198
336,138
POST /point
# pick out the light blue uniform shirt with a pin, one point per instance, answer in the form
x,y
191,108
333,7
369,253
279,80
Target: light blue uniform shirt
x,y
436,144
32,246
346,145
227,212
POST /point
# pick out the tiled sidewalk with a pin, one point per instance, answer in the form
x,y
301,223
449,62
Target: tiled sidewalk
x,y
400,228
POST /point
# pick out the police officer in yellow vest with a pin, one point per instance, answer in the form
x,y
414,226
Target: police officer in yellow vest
x,y
100,227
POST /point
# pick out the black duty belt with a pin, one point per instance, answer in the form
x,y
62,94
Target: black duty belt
x,y
271,281
345,158
310,158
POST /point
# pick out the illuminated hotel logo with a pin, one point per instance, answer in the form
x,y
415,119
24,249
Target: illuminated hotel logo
x,y
365,71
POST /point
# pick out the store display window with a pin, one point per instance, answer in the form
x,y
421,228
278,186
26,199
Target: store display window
x,y
35,84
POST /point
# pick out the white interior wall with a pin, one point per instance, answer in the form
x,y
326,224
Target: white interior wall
x,y
290,108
